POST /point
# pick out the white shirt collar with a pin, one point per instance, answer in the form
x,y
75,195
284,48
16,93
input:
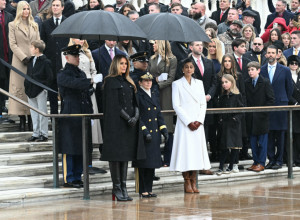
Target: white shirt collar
x,y
146,91
272,65
236,57
108,49
59,19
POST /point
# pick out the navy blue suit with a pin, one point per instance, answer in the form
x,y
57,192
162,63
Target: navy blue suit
x,y
105,61
283,88
289,52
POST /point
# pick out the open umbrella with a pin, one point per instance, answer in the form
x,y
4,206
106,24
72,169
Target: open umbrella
x,y
101,25
171,27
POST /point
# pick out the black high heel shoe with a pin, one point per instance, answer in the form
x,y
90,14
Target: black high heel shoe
x,y
145,196
119,198
152,195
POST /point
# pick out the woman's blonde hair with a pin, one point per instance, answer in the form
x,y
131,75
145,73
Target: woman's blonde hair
x,y
233,69
219,52
85,48
163,49
253,32
18,19
233,89
114,69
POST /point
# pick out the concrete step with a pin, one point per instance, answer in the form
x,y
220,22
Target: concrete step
x,y
6,137
20,196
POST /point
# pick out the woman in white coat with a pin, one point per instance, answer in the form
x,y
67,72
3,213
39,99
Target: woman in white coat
x,y
189,147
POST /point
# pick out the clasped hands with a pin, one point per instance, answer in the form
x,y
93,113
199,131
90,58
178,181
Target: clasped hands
x,y
193,126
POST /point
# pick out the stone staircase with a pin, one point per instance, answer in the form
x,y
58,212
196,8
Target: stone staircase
x,y
26,171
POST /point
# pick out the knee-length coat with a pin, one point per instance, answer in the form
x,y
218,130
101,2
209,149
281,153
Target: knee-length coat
x,y
120,141
189,147
20,39
152,122
74,90
165,87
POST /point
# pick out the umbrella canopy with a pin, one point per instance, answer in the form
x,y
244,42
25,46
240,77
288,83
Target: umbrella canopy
x,y
100,25
171,27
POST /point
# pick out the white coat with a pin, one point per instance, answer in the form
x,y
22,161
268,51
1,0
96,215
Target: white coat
x,y
189,147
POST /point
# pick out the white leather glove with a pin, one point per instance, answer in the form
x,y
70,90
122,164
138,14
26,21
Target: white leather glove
x,y
162,77
98,78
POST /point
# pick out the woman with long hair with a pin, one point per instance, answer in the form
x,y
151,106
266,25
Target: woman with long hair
x,y
249,34
22,32
286,39
128,49
215,53
162,66
275,34
127,8
122,136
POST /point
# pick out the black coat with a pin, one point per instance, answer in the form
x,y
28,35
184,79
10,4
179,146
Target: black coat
x,y
73,87
287,16
10,9
53,44
145,10
41,72
261,95
216,16
253,57
120,142
152,122
230,124
180,51
69,8
3,71
295,99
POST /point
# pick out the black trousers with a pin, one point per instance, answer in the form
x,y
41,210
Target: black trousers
x,y
296,148
4,84
234,155
145,179
53,99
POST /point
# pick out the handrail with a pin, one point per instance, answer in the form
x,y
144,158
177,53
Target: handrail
x,y
85,117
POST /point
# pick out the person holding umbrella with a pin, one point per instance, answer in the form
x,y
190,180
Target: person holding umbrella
x,y
162,66
122,136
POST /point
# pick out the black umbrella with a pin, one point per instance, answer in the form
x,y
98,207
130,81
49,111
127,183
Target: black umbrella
x,y
101,25
172,27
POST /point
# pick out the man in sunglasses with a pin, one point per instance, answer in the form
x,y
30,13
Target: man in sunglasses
x,y
257,53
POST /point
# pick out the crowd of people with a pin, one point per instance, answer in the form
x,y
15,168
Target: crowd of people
x,y
132,81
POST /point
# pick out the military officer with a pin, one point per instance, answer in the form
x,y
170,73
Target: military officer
x,y
140,63
152,124
74,91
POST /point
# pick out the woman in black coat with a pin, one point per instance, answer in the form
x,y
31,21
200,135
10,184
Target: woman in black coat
x,y
122,138
152,125
294,64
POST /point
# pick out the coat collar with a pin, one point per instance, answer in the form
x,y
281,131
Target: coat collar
x,y
190,88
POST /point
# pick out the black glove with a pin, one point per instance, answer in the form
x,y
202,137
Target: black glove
x,y
165,134
124,115
148,138
132,121
91,91
26,60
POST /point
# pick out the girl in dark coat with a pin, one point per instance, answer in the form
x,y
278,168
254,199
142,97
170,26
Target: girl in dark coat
x,y
122,139
152,125
230,126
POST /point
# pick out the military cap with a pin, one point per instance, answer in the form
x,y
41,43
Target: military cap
x,y
146,76
72,50
279,44
249,13
140,56
238,22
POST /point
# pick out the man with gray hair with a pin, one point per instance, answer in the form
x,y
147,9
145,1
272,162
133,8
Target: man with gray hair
x,y
280,11
199,14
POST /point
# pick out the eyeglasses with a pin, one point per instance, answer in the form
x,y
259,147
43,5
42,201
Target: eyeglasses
x,y
257,44
294,63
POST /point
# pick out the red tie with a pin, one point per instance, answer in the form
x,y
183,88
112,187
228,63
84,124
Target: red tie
x,y
240,63
221,15
200,67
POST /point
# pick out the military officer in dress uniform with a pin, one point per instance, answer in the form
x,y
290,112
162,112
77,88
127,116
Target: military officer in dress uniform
x,y
74,91
140,63
152,124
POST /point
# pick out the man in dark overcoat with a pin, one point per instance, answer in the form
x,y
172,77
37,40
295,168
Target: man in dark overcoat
x,y
281,80
257,52
5,54
53,47
259,92
74,90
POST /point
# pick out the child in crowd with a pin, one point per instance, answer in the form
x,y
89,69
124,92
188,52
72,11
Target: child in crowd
x,y
230,128
39,69
259,92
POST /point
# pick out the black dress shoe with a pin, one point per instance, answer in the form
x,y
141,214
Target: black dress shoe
x,y
152,195
269,166
79,182
145,196
156,178
32,139
91,171
42,139
276,167
72,185
99,170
